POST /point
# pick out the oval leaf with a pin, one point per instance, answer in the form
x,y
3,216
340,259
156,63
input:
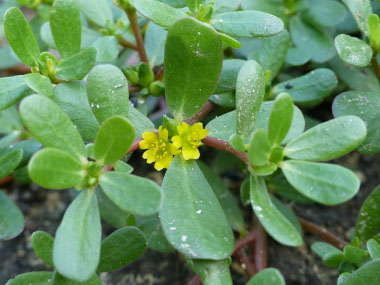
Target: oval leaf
x,y
327,184
11,218
77,243
259,148
97,11
361,10
32,278
39,83
366,274
353,50
211,271
193,61
12,90
136,195
191,216
10,161
43,246
268,276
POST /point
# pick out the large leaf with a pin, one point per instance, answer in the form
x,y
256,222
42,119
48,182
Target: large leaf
x,y
12,90
191,216
268,276
72,98
274,222
368,220
114,138
328,140
250,89
212,272
159,13
97,11
77,243
32,278
11,218
193,61
361,10
50,125
309,89
107,91
325,183
366,274
66,26
248,24
43,246
20,36
133,194
353,50
55,169
120,248
364,105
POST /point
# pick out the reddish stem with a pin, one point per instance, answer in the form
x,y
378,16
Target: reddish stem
x,y
240,243
260,247
6,180
250,267
322,233
204,111
132,17
195,281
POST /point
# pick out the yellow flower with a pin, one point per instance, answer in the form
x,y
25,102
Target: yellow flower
x,y
159,149
189,138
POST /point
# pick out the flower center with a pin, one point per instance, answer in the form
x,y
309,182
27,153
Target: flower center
x,y
193,140
161,149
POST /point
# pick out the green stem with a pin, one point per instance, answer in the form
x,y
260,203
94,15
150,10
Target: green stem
x,y
127,44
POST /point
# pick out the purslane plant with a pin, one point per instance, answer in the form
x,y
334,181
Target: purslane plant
x,y
83,113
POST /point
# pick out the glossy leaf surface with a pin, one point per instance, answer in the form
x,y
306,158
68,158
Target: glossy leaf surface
x,y
353,50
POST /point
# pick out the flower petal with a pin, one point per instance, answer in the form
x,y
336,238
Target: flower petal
x,y
149,136
190,153
177,141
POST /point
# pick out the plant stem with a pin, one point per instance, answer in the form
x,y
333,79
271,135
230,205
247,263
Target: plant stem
x,y
6,180
375,66
127,44
204,111
322,233
250,267
132,16
260,247
195,281
240,243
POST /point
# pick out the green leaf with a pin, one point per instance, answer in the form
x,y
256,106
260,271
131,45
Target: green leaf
x,y
58,279
366,274
309,89
274,222
133,194
268,276
269,6
368,220
316,43
361,10
353,50
328,140
212,271
7,57
287,212
248,24
229,41
97,11
72,98
43,246
20,36
107,91
259,148
228,76
50,125
296,56
66,26
114,138
39,84
12,90
140,122
355,255
77,243
250,90
122,166
191,216
193,61
280,119
364,105
323,248
55,169
77,66
327,184
225,197
108,48
11,218
221,6
159,13
9,161
120,248
373,248
155,39
32,278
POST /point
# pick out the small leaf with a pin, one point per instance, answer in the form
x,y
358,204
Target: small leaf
x,y
133,194
11,218
107,91
39,84
250,89
280,120
328,140
12,90
274,222
309,89
193,61
120,248
361,10
55,169
323,248
107,47
77,243
159,13
9,161
77,66
268,276
327,184
296,56
32,278
97,11
114,138
212,271
353,50
229,41
373,248
191,216
355,255
20,36
65,26
43,246
50,125
228,76
259,148
248,24
122,166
